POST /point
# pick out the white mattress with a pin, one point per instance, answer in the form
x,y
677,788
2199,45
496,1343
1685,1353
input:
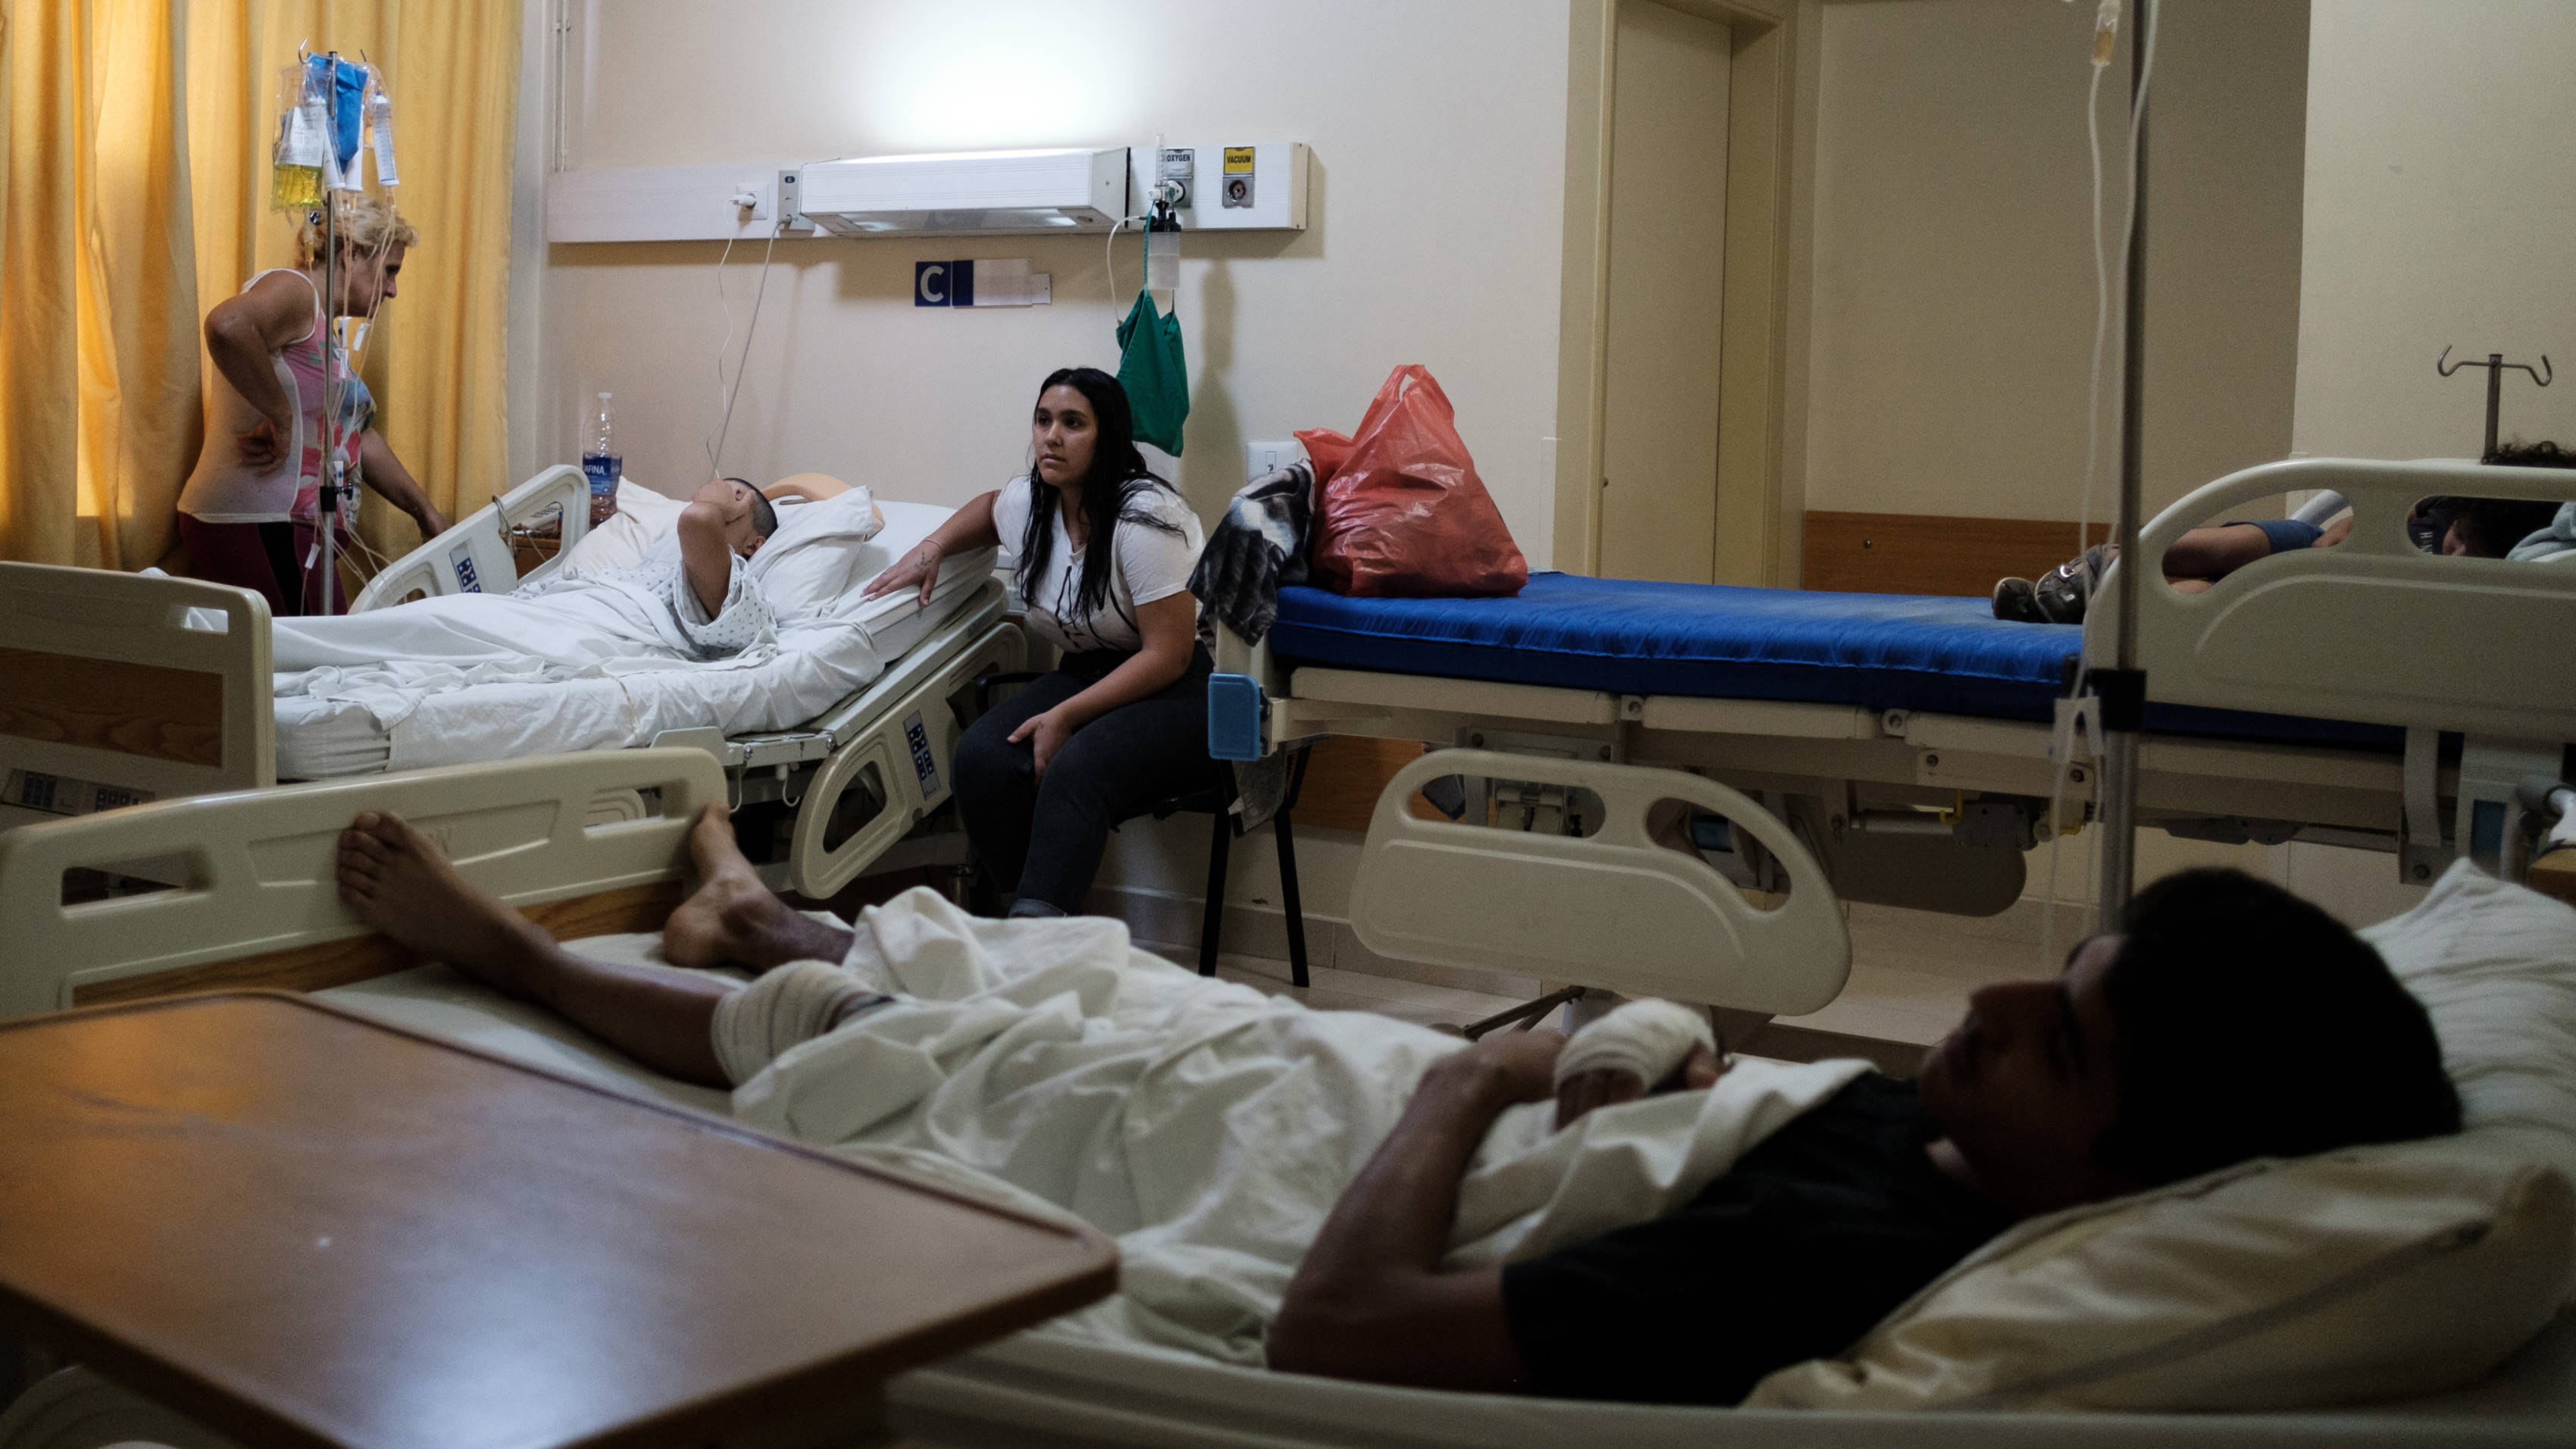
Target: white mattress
x,y
816,668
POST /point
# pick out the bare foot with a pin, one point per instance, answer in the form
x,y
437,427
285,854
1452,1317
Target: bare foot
x,y
734,920
399,882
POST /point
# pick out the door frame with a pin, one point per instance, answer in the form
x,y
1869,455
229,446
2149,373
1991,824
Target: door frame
x,y
1754,506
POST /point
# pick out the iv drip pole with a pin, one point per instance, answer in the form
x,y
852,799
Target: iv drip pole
x,y
326,513
2123,689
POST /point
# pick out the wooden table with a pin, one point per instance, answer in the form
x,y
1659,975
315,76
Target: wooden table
x,y
302,1227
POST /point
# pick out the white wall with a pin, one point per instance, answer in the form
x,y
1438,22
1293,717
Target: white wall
x,y
2440,213
1438,136
1953,298
1434,224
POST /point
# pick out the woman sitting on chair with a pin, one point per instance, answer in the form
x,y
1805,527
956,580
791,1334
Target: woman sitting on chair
x,y
1101,552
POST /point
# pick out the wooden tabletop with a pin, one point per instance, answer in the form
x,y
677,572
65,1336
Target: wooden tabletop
x,y
303,1227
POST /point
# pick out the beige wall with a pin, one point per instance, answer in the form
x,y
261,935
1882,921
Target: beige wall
x,y
1437,132
2440,213
1953,295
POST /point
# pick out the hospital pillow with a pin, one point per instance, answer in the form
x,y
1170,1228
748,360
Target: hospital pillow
x,y
642,516
2374,1273
815,560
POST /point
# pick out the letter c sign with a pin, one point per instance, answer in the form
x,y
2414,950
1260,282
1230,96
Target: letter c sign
x,y
930,284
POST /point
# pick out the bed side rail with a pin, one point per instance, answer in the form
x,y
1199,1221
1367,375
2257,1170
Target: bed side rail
x,y
1615,910
476,554
587,843
905,759
2374,630
117,688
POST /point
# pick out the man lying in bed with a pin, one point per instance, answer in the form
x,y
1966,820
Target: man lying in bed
x,y
2230,1020
2452,527
689,599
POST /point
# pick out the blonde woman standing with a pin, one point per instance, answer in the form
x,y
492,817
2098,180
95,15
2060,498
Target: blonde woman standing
x,y
249,512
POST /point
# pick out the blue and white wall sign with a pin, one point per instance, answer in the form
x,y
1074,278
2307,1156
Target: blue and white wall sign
x,y
989,282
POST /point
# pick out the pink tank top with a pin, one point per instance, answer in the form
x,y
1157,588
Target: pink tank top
x,y
222,489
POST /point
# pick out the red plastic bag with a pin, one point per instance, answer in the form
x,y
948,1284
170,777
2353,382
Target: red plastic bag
x,y
1401,512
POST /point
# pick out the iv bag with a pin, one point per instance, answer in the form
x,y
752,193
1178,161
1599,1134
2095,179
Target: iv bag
x,y
341,89
296,184
380,128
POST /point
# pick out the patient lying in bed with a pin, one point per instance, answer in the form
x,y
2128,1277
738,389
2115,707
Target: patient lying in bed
x,y
689,600
2452,527
1347,1195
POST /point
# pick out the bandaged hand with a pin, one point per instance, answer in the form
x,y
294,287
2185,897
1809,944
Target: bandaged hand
x,y
1643,1045
1504,1067
919,567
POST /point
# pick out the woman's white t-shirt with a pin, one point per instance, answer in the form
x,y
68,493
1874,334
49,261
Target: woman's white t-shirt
x,y
1150,565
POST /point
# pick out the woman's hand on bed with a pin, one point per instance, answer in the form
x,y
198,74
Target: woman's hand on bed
x,y
919,568
1046,734
1587,1090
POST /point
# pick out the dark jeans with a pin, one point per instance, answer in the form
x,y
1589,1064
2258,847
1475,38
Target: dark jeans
x,y
1042,840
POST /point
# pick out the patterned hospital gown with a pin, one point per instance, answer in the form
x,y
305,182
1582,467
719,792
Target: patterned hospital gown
x,y
656,593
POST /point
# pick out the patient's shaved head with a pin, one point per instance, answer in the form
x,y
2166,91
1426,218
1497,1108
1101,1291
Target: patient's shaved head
x,y
764,514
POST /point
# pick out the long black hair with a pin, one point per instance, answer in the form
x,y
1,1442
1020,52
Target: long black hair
x,y
1113,492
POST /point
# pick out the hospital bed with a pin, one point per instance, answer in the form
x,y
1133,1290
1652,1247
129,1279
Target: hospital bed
x,y
2369,695
124,688
555,837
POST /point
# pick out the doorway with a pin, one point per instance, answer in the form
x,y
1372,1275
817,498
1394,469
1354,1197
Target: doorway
x,y
1673,341
1666,304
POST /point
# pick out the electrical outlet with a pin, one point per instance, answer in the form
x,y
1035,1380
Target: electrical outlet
x,y
1263,459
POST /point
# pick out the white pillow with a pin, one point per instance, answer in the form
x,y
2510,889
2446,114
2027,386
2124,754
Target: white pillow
x,y
814,560
2496,966
642,516
2375,1273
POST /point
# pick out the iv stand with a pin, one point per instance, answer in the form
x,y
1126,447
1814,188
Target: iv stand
x,y
2123,689
2495,366
326,513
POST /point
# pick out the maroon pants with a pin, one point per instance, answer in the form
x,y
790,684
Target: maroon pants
x,y
267,557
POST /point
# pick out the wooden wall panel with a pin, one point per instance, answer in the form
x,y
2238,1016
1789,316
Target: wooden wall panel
x,y
1906,553
108,704
1344,777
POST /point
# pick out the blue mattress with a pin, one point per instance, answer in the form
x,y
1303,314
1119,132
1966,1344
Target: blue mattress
x,y
1886,651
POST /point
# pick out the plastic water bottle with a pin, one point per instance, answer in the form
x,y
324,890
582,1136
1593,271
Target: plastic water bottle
x,y
601,464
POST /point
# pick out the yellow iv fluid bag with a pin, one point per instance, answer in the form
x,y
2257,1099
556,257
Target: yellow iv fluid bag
x,y
303,129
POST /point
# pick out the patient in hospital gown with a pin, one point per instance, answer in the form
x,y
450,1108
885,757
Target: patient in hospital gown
x,y
1343,1194
691,600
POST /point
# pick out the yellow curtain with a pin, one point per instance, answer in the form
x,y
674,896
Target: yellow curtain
x,y
134,181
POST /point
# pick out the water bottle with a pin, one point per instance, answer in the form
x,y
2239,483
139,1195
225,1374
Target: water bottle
x,y
600,464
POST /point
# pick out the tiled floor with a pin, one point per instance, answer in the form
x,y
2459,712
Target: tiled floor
x,y
1911,975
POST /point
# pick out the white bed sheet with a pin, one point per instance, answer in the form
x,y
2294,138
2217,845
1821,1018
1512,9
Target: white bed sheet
x,y
818,664
1043,1387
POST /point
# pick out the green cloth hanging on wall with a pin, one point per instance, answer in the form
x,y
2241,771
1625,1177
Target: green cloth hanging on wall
x,y
1154,373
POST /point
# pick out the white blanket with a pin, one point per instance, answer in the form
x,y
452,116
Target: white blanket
x,y
391,660
1207,1126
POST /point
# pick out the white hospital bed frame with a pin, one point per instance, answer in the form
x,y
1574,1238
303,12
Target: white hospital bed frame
x,y
1934,810
188,711
594,843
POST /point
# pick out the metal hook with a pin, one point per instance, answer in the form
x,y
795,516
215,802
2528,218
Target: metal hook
x,y
2495,366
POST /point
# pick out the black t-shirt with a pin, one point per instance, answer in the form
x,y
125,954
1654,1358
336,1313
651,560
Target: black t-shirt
x,y
1818,1233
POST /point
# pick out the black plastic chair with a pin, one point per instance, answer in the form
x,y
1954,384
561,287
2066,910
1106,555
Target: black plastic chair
x,y
1216,800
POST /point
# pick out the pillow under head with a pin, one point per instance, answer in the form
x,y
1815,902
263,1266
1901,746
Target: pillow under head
x,y
814,561
2365,1274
